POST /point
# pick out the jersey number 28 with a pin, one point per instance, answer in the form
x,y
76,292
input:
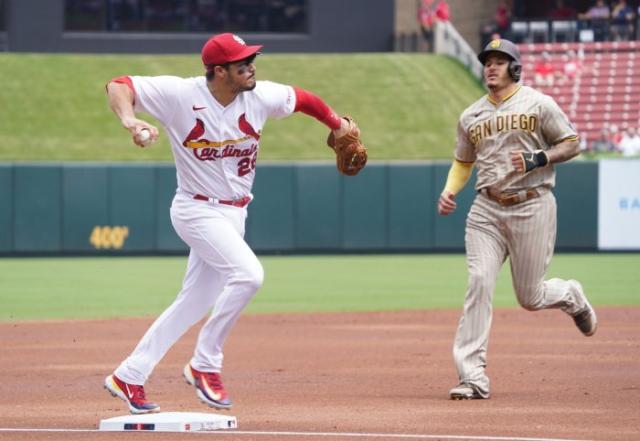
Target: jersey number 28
x,y
245,165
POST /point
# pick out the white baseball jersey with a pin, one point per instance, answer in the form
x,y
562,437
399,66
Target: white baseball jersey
x,y
215,150
527,120
215,147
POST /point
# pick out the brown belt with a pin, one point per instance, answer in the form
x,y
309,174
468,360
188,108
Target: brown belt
x,y
242,202
510,199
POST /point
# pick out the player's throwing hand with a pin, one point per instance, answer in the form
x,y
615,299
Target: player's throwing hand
x,y
142,133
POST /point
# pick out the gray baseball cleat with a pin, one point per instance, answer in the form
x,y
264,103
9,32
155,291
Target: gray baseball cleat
x,y
585,319
466,391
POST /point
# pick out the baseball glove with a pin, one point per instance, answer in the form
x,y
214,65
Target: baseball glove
x,y
351,154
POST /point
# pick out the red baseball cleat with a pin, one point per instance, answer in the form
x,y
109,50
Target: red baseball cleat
x,y
209,387
133,394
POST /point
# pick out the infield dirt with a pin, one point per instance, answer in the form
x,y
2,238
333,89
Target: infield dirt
x,y
365,372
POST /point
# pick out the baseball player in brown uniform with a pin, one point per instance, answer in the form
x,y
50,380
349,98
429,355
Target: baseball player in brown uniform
x,y
513,135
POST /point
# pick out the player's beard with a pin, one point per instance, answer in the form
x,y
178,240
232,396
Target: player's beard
x,y
245,86
250,84
502,82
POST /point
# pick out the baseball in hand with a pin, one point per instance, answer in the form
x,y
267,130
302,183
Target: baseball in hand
x,y
144,136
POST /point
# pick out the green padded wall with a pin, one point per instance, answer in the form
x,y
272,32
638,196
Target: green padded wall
x,y
38,208
577,194
166,240
6,208
132,204
318,206
86,208
411,212
271,223
364,208
84,205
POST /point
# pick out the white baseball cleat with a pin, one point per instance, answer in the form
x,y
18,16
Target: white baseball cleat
x,y
466,391
585,319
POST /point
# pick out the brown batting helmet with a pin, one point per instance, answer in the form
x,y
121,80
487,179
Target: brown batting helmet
x,y
508,48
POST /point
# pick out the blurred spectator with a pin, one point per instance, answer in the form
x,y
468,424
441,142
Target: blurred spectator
x,y
621,21
544,71
615,136
597,18
598,11
572,67
427,20
502,18
562,12
206,15
429,12
442,11
286,16
603,143
630,143
501,24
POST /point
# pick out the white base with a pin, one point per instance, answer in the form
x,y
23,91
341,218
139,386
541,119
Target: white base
x,y
170,422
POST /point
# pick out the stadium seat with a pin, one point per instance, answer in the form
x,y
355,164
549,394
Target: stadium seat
x,y
605,93
586,35
539,31
563,31
519,31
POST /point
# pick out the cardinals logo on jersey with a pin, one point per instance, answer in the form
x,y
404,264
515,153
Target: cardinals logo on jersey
x,y
246,128
194,134
206,150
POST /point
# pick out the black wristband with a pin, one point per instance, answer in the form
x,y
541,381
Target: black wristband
x,y
535,159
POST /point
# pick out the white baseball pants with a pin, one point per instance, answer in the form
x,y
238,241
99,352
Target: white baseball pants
x,y
223,273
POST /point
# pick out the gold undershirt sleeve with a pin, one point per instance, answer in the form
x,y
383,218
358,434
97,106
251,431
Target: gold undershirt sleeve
x,y
459,174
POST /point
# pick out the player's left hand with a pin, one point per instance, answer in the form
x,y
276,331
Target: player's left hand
x,y
447,203
524,162
351,154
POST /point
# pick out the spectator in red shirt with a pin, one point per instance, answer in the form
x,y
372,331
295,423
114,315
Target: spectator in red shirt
x,y
442,11
426,19
428,14
544,71
502,17
572,67
562,12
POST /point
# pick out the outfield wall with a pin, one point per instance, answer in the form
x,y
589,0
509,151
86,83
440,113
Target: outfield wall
x,y
301,207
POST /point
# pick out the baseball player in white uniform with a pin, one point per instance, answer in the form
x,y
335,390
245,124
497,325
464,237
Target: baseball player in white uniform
x,y
214,124
514,135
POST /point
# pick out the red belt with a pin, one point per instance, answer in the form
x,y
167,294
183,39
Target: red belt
x,y
242,202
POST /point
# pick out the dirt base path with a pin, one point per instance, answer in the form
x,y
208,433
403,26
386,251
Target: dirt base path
x,y
385,373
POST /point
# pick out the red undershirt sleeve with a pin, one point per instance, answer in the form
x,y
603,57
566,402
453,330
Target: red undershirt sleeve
x,y
124,80
312,105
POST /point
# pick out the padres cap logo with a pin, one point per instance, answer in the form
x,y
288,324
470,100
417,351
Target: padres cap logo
x,y
495,44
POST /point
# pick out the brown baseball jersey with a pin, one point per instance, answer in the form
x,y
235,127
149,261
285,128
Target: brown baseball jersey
x,y
526,120
488,131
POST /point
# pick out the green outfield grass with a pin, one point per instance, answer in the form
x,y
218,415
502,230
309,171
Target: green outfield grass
x,y
55,288
407,105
